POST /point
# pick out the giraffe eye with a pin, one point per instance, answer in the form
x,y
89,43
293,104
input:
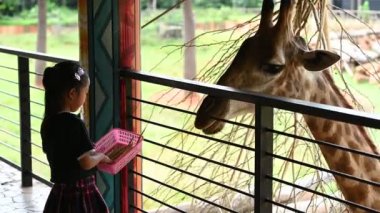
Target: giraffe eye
x,y
272,68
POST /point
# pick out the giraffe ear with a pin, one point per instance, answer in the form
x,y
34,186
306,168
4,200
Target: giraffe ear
x,y
318,60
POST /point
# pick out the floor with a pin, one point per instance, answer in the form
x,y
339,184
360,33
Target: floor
x,y
14,198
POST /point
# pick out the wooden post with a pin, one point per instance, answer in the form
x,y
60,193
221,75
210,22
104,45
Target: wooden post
x,y
129,19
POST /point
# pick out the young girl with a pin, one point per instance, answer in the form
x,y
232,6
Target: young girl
x,y
70,152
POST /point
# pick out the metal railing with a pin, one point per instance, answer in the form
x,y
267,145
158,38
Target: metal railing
x,y
263,148
25,100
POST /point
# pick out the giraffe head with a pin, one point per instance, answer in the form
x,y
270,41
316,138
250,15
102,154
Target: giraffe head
x,y
274,61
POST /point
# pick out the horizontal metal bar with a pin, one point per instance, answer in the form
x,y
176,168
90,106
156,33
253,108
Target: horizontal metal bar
x,y
35,176
36,145
146,140
182,191
197,176
37,103
10,163
37,88
324,195
193,134
189,112
161,105
8,81
155,199
39,160
137,208
325,170
10,147
10,133
34,73
36,117
9,68
42,180
19,151
10,121
284,206
34,130
33,55
324,143
31,115
8,107
293,105
9,94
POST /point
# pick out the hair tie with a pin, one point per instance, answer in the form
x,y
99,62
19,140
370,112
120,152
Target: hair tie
x,y
79,73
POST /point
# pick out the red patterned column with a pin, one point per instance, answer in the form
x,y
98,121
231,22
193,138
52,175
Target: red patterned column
x,y
129,14
83,46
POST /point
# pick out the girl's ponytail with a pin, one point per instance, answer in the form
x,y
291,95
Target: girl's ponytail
x,y
48,80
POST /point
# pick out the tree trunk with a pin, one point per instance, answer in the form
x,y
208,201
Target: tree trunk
x,y
189,34
152,5
41,40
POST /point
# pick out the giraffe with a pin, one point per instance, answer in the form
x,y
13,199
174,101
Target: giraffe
x,y
276,62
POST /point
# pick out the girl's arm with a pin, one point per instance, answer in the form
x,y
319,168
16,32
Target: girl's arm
x,y
92,158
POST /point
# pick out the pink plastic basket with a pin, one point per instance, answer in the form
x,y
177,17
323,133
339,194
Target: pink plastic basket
x,y
121,144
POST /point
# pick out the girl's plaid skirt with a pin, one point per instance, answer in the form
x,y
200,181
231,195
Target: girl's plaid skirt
x,y
80,197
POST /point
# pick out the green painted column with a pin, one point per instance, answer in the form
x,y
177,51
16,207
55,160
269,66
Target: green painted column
x,y
99,40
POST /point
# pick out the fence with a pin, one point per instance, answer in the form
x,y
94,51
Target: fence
x,y
260,196
21,114
183,169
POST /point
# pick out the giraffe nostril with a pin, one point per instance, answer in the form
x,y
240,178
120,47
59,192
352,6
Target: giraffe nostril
x,y
208,103
209,114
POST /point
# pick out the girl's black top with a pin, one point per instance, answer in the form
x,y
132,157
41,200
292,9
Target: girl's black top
x,y
65,139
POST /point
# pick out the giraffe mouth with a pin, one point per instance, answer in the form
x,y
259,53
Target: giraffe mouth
x,y
211,109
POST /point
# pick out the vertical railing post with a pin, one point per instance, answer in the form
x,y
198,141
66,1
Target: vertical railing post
x,y
263,161
25,129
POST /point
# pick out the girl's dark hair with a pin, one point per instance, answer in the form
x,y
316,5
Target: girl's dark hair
x,y
58,81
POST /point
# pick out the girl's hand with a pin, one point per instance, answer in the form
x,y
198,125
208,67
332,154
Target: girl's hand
x,y
106,159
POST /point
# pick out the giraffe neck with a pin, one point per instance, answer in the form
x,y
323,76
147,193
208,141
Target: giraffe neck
x,y
350,136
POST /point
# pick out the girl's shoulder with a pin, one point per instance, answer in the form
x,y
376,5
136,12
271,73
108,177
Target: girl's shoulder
x,y
66,118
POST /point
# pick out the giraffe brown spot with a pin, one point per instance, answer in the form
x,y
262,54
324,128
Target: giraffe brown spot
x,y
314,98
353,191
365,190
348,169
327,126
356,135
323,101
376,206
307,85
330,151
370,165
376,179
334,100
321,84
362,135
353,145
362,189
344,164
332,139
281,93
339,129
373,148
289,87
347,128
312,123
